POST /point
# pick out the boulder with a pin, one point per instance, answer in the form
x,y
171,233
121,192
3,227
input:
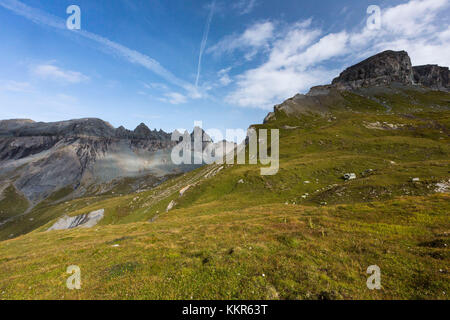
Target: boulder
x,y
171,205
182,191
350,176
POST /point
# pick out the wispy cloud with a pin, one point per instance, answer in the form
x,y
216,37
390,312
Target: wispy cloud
x,y
251,40
174,98
155,85
48,71
204,40
16,86
245,6
110,47
224,77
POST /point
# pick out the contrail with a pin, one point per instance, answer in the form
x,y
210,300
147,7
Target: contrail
x,y
204,40
40,17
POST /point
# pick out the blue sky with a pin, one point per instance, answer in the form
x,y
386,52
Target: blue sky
x,y
137,61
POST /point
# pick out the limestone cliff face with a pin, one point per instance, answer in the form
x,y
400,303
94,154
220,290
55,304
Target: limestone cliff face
x,y
382,69
432,76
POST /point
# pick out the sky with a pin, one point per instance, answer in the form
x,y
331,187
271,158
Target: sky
x,y
170,63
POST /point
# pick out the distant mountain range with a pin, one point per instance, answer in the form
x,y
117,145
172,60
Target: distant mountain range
x,y
40,158
84,156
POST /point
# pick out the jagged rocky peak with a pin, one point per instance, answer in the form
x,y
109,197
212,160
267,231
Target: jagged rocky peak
x,y
433,76
142,131
40,158
121,132
381,69
91,127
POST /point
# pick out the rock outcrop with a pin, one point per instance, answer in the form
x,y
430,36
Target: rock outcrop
x,y
432,76
81,221
382,69
171,205
318,100
390,67
142,132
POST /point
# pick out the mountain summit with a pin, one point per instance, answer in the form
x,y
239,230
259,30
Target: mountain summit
x,y
382,69
388,72
390,67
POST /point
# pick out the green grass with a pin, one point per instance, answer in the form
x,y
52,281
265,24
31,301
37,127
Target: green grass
x,y
303,252
12,203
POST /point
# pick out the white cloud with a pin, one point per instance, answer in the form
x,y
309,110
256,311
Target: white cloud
x,y
224,77
254,38
174,98
225,80
48,71
297,59
263,87
290,67
419,27
412,17
301,58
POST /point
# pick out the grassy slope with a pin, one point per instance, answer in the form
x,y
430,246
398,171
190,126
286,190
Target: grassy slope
x,y
222,235
303,252
12,203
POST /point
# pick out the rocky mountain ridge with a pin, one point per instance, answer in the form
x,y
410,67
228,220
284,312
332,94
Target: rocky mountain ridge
x,y
40,158
381,69
386,70
432,76
392,67
86,155
79,127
